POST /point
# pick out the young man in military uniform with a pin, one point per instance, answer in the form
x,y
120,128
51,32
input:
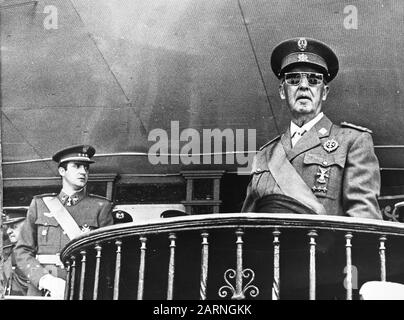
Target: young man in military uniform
x,y
54,219
318,165
16,283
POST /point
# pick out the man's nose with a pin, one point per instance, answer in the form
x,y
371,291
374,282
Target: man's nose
x,y
9,231
82,169
304,82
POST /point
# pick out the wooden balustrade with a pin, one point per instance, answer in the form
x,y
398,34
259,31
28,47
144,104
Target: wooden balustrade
x,y
242,259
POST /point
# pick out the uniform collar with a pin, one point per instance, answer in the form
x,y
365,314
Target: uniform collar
x,y
310,140
307,126
74,198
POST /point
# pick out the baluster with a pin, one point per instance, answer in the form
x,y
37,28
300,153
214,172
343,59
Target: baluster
x,y
98,249
312,291
73,277
68,282
276,282
382,254
171,267
118,244
82,273
204,266
348,246
238,291
140,287
239,294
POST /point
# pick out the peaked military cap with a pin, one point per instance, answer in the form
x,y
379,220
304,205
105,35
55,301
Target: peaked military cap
x,y
172,213
304,51
121,216
14,218
82,153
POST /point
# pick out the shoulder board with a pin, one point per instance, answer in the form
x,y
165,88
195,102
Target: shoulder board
x,y
98,196
354,126
46,195
269,142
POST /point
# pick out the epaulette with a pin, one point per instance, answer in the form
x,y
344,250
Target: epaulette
x,y
269,142
98,196
354,126
45,195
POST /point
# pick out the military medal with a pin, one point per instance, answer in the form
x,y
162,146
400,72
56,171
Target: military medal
x,y
323,174
319,189
330,145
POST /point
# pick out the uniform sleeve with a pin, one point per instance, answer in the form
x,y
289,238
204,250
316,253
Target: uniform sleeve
x,y
361,185
105,216
249,201
27,247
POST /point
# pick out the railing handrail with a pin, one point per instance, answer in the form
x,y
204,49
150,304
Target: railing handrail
x,y
233,220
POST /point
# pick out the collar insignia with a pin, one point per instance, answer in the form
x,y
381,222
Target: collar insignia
x,y
323,131
330,145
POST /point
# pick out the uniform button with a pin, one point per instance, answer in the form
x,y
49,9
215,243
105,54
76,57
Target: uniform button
x,y
325,163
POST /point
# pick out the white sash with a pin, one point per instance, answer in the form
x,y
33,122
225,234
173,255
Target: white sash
x,y
63,217
290,182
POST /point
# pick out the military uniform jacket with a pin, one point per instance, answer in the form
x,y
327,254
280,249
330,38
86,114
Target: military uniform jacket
x,y
41,233
15,279
345,179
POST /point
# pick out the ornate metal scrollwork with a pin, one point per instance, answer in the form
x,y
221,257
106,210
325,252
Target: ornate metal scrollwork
x,y
238,294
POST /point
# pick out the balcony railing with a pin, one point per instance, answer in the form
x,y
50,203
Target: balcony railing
x,y
234,256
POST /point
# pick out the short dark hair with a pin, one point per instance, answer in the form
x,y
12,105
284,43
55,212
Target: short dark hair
x,y
63,165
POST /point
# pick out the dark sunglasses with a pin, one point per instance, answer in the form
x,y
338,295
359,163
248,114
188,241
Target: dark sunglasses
x,y
295,78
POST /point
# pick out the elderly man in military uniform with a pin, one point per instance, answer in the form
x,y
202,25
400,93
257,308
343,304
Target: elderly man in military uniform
x,y
16,283
55,219
316,166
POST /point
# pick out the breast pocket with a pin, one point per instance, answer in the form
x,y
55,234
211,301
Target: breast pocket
x,y
325,172
48,235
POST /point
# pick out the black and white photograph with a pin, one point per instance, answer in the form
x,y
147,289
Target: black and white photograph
x,y
220,152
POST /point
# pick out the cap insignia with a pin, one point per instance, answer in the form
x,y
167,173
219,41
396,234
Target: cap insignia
x,y
302,57
302,44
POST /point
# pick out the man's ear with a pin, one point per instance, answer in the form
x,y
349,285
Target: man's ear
x,y
282,90
325,92
61,171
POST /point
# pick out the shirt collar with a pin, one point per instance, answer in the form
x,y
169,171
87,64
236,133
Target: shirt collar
x,y
307,126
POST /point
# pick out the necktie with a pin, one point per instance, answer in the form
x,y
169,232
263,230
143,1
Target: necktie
x,y
296,136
